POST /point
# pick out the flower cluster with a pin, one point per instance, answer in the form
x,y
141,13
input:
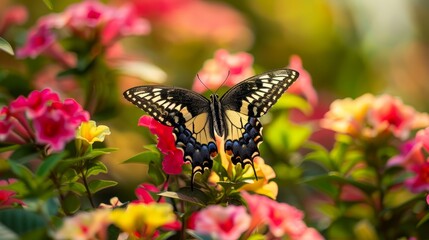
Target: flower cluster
x,y
370,117
234,221
90,21
42,119
224,67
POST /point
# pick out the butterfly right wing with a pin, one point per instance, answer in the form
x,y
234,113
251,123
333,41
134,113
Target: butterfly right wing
x,y
188,113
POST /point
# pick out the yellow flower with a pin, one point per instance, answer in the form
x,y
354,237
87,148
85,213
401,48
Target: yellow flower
x,y
263,185
90,133
143,218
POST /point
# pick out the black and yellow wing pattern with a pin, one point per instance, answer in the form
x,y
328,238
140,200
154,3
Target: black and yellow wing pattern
x,y
235,116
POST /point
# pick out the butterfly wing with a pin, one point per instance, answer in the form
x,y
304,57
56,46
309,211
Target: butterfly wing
x,y
189,115
244,104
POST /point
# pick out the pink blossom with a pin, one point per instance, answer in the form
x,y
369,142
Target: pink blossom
x,y
173,157
304,85
410,153
389,113
281,218
7,197
14,15
420,181
154,10
41,118
35,104
39,40
222,222
215,71
87,14
124,22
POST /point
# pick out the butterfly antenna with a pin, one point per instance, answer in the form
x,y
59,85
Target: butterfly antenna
x,y
198,76
254,172
227,76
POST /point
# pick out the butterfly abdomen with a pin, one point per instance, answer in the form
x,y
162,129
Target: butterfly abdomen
x,y
217,115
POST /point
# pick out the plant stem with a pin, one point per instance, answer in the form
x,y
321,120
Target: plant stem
x,y
88,192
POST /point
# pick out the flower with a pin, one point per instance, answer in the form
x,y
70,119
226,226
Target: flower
x,y
7,197
217,23
263,185
222,222
370,117
388,113
85,225
38,40
173,157
90,133
303,85
281,218
420,181
41,118
215,71
14,15
143,219
114,203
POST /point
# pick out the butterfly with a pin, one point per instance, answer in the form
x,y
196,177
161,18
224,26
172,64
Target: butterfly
x,y
234,116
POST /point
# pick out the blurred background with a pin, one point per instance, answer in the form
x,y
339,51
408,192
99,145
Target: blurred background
x,y
349,48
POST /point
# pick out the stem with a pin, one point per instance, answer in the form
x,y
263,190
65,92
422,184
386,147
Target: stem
x,y
88,192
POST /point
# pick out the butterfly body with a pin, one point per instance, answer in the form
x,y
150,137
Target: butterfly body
x,y
197,120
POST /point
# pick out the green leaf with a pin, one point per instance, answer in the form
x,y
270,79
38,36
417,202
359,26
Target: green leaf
x,y
77,188
96,168
145,158
9,148
24,154
21,221
71,203
336,177
256,237
423,220
49,4
21,171
6,233
5,46
97,185
186,194
49,164
165,236
288,101
198,236
156,173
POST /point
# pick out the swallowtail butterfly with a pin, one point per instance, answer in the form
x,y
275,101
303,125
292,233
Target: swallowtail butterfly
x,y
234,116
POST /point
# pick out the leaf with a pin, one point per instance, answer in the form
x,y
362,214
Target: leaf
x,y
71,203
165,236
256,236
198,235
288,101
186,194
21,221
334,176
49,4
6,233
77,188
145,158
9,148
156,173
49,164
24,154
5,46
96,168
97,185
423,220
21,171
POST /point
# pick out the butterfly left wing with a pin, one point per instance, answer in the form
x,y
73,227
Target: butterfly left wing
x,y
189,114
244,104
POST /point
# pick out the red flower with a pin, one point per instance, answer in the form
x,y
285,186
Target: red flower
x,y
41,118
7,196
420,182
173,157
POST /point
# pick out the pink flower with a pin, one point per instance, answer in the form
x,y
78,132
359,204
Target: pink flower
x,y
173,157
222,222
389,113
14,15
304,85
39,40
217,23
41,118
215,71
281,219
143,193
420,182
7,197
87,14
124,22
